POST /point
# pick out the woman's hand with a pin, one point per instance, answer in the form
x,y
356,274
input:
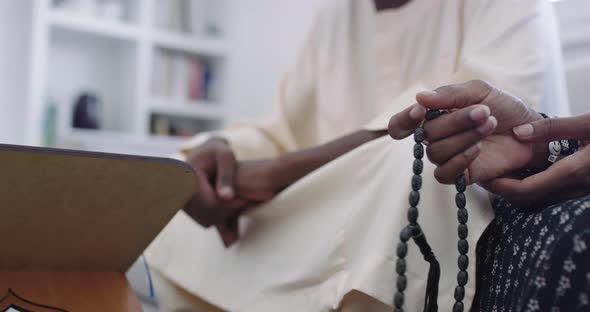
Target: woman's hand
x,y
566,179
476,135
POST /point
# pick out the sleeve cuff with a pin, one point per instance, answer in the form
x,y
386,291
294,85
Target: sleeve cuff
x,y
246,142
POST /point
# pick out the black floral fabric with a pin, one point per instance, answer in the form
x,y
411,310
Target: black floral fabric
x,y
535,259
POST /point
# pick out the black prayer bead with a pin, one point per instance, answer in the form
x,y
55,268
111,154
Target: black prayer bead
x,y
572,147
459,293
414,198
462,215
462,278
413,215
463,246
460,183
398,300
419,135
400,266
418,151
458,307
416,230
460,200
406,234
402,282
462,230
463,262
416,182
418,166
432,114
402,249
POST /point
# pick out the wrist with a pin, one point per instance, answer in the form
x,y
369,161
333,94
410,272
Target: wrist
x,y
282,172
539,161
546,153
540,153
290,167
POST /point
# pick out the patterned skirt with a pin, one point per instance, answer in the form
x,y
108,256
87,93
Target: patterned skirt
x,y
535,259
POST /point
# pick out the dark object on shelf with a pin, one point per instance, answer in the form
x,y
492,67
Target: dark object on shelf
x,y
181,126
86,112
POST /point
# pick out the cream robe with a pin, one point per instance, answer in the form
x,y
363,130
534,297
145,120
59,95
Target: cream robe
x,y
336,229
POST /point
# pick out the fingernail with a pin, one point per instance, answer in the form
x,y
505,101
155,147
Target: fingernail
x,y
479,113
226,192
472,151
524,131
427,93
417,113
489,126
494,122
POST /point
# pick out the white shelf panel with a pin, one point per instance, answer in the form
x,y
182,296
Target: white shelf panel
x,y
120,142
189,44
86,24
198,109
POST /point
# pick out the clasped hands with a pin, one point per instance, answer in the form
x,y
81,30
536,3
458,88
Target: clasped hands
x,y
491,135
227,188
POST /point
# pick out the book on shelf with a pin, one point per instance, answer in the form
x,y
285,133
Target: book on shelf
x,y
201,17
195,80
175,15
180,73
183,77
207,82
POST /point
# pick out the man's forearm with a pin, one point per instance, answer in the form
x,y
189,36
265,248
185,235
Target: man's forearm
x,y
293,166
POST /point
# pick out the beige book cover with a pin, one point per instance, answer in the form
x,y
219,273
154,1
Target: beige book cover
x,y
66,210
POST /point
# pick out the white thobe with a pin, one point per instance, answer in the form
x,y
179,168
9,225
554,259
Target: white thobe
x,y
336,229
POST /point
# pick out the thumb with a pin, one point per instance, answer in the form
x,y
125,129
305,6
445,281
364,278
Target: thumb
x,y
553,129
226,165
404,123
455,96
229,231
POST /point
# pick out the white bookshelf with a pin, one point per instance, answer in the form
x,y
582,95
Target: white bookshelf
x,y
195,109
75,52
93,25
189,44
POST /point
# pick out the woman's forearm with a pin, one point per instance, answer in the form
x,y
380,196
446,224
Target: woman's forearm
x,y
293,166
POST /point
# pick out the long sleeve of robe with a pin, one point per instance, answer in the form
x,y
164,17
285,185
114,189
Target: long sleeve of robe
x,y
336,229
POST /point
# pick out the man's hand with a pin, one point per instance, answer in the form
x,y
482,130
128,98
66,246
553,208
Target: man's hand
x,y
207,209
227,188
476,135
568,178
216,159
257,180
214,203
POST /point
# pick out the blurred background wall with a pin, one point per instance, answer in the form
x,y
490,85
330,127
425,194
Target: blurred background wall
x,y
265,36
15,29
127,54
574,19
